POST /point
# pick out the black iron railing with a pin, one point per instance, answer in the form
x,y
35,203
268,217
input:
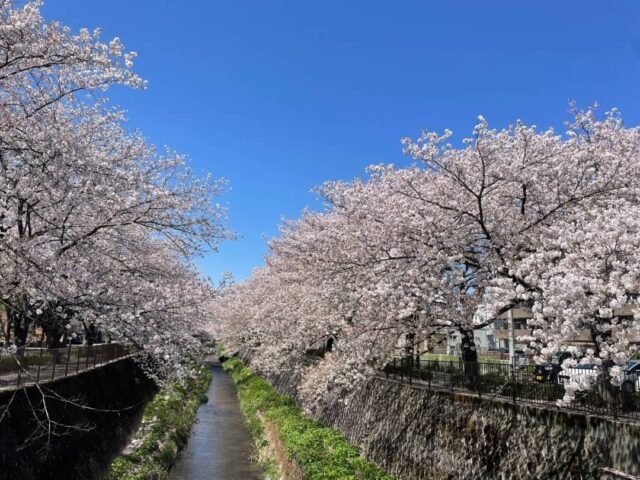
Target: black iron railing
x,y
36,365
517,384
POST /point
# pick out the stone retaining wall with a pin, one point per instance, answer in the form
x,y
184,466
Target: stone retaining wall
x,y
414,433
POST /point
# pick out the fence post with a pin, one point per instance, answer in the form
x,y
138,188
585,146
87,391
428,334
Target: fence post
x,y
86,360
66,368
410,365
78,362
39,366
451,375
513,382
19,370
53,369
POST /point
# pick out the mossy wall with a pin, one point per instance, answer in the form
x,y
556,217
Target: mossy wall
x,y
84,451
413,433
418,434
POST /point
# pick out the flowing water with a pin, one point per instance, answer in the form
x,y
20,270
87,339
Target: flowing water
x,y
219,447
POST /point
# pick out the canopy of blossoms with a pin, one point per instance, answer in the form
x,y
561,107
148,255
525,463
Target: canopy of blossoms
x,y
96,223
510,218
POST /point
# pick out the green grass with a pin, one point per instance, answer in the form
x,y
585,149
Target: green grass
x,y
165,429
321,453
441,357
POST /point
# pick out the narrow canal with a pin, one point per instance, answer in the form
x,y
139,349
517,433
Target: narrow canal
x,y
219,447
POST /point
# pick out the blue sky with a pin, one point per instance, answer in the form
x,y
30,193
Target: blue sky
x,y
278,96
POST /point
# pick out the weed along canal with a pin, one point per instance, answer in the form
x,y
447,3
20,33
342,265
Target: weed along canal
x,y
219,447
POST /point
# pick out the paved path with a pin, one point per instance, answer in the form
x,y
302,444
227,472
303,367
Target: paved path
x,y
219,447
48,373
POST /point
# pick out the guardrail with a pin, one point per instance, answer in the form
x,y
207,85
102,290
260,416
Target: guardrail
x,y
37,365
514,383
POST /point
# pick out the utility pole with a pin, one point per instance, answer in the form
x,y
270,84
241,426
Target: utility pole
x,y
512,338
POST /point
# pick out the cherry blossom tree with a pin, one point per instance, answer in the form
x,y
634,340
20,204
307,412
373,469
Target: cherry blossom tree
x,y
514,217
95,222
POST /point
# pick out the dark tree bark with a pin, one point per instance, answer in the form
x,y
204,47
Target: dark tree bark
x,y
408,349
470,358
20,320
329,345
608,392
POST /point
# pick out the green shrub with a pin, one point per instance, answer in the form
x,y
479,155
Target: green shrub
x,y
167,422
320,452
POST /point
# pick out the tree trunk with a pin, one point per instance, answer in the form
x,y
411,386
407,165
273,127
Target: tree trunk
x,y
6,328
20,329
607,392
53,331
470,359
17,317
408,349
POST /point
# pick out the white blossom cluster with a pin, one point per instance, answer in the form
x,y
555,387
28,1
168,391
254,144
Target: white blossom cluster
x,y
515,218
94,218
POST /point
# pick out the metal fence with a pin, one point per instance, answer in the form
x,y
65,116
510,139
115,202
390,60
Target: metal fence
x,y
36,365
514,383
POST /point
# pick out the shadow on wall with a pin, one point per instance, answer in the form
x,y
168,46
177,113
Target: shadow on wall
x,y
102,406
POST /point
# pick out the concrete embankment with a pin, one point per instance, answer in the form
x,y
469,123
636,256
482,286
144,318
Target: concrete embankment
x,y
71,428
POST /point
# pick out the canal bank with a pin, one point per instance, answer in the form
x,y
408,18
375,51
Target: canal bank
x,y
292,445
88,419
164,430
219,447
